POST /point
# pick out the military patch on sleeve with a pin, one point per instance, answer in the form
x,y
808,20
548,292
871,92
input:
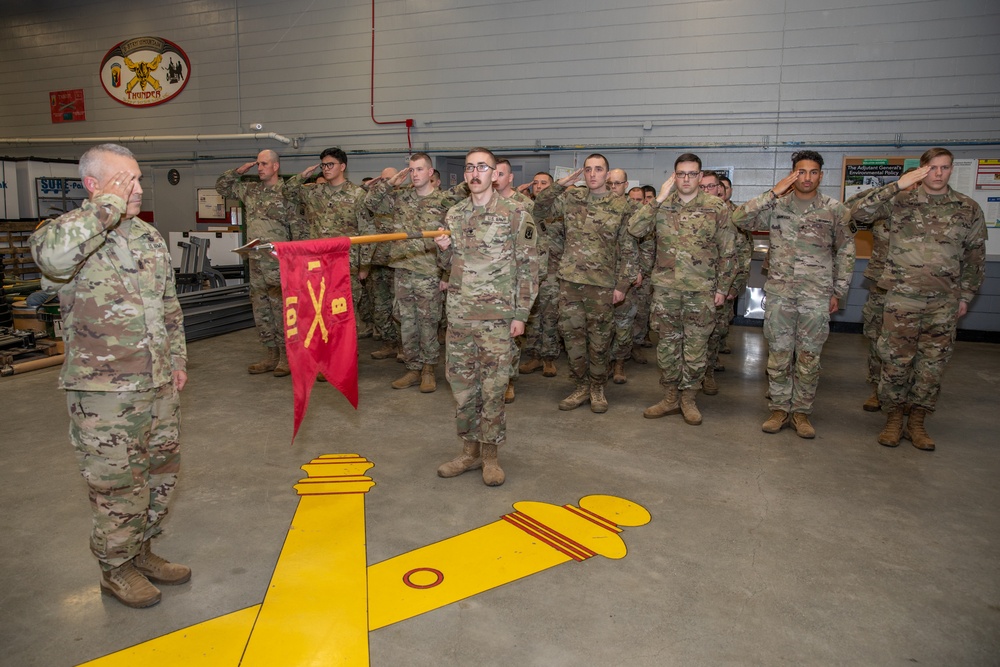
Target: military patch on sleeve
x,y
854,227
529,232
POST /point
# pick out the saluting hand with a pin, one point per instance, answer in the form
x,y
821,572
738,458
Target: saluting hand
x,y
914,177
572,178
245,168
120,184
666,188
309,171
399,178
785,184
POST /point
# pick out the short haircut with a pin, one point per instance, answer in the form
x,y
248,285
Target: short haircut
x,y
725,179
932,153
709,172
649,188
438,174
607,165
366,179
271,154
90,161
422,156
505,161
480,149
624,173
688,157
636,188
336,153
545,173
812,156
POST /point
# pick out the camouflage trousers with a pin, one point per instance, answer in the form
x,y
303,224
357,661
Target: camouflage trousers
x,y
265,298
586,323
362,308
720,330
477,362
541,331
795,330
871,315
643,303
128,449
379,294
624,318
684,321
418,309
918,336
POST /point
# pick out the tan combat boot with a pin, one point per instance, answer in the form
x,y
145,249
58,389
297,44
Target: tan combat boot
x,y
530,366
777,421
387,351
549,368
469,459
508,394
282,369
872,404
803,429
266,365
915,431
598,403
618,372
638,355
127,585
668,406
428,383
409,379
159,570
708,385
493,474
689,409
893,430
579,396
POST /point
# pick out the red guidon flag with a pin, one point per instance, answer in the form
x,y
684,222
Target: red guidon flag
x,y
320,333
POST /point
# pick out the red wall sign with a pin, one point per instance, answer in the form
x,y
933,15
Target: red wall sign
x,y
67,106
145,71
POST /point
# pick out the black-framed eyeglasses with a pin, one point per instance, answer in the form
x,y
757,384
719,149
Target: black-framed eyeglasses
x,y
687,174
328,165
615,184
481,167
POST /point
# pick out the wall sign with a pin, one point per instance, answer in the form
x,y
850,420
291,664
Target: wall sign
x,y
145,71
67,106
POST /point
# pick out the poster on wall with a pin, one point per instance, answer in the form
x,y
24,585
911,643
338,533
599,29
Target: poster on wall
x,y
980,179
865,173
67,106
145,71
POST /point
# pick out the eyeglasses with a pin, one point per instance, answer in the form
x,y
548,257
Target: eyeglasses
x,y
686,174
328,165
615,184
482,166
709,186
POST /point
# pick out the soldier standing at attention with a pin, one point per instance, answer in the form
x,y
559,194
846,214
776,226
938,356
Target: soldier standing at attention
x,y
124,368
597,266
812,259
934,266
377,277
691,277
333,208
494,277
268,216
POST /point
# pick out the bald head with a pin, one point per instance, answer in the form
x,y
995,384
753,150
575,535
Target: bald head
x,y
389,172
618,181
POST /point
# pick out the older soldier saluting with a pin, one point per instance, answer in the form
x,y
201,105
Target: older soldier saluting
x,y
494,280
269,217
124,368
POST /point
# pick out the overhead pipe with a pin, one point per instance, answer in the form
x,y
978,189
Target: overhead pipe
x,y
409,121
149,138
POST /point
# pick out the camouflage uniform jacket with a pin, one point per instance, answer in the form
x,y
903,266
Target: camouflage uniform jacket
x,y
413,213
592,232
695,242
880,238
332,210
124,330
492,259
811,252
268,213
937,243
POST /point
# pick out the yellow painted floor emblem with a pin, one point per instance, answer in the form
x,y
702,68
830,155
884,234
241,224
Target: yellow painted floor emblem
x,y
323,601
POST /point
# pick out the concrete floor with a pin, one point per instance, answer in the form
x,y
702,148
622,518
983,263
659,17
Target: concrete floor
x,y
762,550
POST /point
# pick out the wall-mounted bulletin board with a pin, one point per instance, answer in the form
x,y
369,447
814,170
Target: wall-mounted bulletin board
x,y
978,178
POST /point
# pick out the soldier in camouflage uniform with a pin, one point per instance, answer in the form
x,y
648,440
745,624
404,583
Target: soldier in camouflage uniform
x,y
418,296
494,273
541,338
627,309
124,368
268,218
504,187
692,274
812,258
333,208
934,266
377,277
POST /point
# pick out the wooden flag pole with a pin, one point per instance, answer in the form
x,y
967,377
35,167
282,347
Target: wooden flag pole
x,y
355,240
